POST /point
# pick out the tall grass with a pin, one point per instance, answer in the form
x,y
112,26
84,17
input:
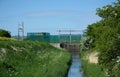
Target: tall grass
x,y
91,69
6,39
32,59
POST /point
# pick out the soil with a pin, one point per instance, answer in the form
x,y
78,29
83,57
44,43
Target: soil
x,y
92,57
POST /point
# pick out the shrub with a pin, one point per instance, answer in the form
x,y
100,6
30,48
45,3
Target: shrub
x,y
4,33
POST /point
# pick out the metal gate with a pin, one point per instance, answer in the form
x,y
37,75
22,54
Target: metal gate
x,y
73,48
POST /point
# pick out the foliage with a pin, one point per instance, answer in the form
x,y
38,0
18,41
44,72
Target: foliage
x,y
6,39
32,59
4,33
116,70
91,69
106,38
85,43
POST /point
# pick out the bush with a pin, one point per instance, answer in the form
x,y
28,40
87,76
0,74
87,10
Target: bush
x,y
4,33
106,37
116,70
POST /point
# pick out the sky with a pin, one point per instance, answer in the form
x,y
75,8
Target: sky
x,y
49,15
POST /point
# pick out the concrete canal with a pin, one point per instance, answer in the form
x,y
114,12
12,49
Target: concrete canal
x,y
75,68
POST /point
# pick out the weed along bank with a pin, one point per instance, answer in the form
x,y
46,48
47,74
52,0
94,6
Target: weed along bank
x,y
32,59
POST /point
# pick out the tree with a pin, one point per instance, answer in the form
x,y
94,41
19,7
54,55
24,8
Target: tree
x,y
4,33
106,37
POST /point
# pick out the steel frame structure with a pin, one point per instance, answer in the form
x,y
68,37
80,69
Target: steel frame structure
x,y
70,33
21,31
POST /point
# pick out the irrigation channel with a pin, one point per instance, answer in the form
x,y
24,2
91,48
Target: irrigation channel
x,y
75,68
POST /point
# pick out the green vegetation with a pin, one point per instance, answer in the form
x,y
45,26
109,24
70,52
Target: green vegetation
x,y
91,69
4,33
6,39
105,37
32,59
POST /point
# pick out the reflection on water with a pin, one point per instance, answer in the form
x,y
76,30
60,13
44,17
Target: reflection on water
x,y
75,67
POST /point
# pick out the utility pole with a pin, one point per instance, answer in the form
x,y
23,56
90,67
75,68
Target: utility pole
x,y
59,36
70,37
21,31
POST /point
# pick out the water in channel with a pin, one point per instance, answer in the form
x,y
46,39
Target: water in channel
x,y
75,68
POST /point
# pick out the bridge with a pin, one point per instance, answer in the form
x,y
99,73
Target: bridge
x,y
72,46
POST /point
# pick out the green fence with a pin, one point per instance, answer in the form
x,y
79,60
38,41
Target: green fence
x,y
65,38
40,36
54,39
46,37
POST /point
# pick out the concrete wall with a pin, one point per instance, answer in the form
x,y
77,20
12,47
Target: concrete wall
x,y
57,45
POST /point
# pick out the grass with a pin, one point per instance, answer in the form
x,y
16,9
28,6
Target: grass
x,y
91,69
6,39
32,59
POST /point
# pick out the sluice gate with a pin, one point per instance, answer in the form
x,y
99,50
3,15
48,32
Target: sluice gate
x,y
73,48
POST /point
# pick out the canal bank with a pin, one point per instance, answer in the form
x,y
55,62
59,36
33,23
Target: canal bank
x,y
75,68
